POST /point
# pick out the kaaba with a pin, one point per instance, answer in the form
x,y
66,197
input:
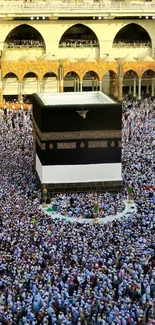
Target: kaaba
x,y
77,141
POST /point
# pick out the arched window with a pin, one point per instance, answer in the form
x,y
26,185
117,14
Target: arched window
x,y
132,35
90,81
148,82
50,82
71,82
30,83
10,84
24,36
79,36
130,83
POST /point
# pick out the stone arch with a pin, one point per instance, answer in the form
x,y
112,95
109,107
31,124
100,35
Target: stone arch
x,y
71,73
50,82
130,73
132,33
10,84
112,73
10,74
148,73
90,81
130,83
71,81
30,83
79,35
148,82
24,35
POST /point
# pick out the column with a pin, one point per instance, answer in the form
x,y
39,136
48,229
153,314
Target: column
x,y
111,88
100,82
61,80
57,85
134,88
93,83
115,88
130,88
61,86
139,88
120,86
40,86
152,88
96,84
77,84
147,88
74,85
19,92
81,84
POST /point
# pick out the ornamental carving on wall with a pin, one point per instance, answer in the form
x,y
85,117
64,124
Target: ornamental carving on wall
x,y
112,144
82,145
51,146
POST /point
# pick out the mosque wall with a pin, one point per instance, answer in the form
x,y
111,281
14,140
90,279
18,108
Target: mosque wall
x,y
77,53
136,52
52,31
17,53
105,31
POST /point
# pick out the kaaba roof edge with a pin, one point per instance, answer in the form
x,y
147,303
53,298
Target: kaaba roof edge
x,y
74,98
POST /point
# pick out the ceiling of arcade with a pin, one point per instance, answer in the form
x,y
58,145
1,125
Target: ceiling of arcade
x,y
80,68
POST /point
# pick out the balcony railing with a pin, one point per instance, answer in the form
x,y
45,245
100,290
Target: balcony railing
x,y
71,7
77,45
133,45
24,46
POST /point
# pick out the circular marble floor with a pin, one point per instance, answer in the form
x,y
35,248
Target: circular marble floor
x,y
129,209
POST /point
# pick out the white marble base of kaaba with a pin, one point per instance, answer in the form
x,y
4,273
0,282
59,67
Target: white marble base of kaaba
x,y
57,174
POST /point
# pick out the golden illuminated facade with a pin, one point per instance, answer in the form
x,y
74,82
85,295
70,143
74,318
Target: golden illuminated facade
x,y
80,46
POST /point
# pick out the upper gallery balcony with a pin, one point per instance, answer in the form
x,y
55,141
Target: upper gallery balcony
x,y
89,8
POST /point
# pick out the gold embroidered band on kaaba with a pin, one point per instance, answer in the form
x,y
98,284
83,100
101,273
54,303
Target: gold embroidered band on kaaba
x,y
77,135
66,145
41,145
97,144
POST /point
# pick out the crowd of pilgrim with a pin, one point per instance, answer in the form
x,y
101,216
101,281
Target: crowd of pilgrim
x,y
58,272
